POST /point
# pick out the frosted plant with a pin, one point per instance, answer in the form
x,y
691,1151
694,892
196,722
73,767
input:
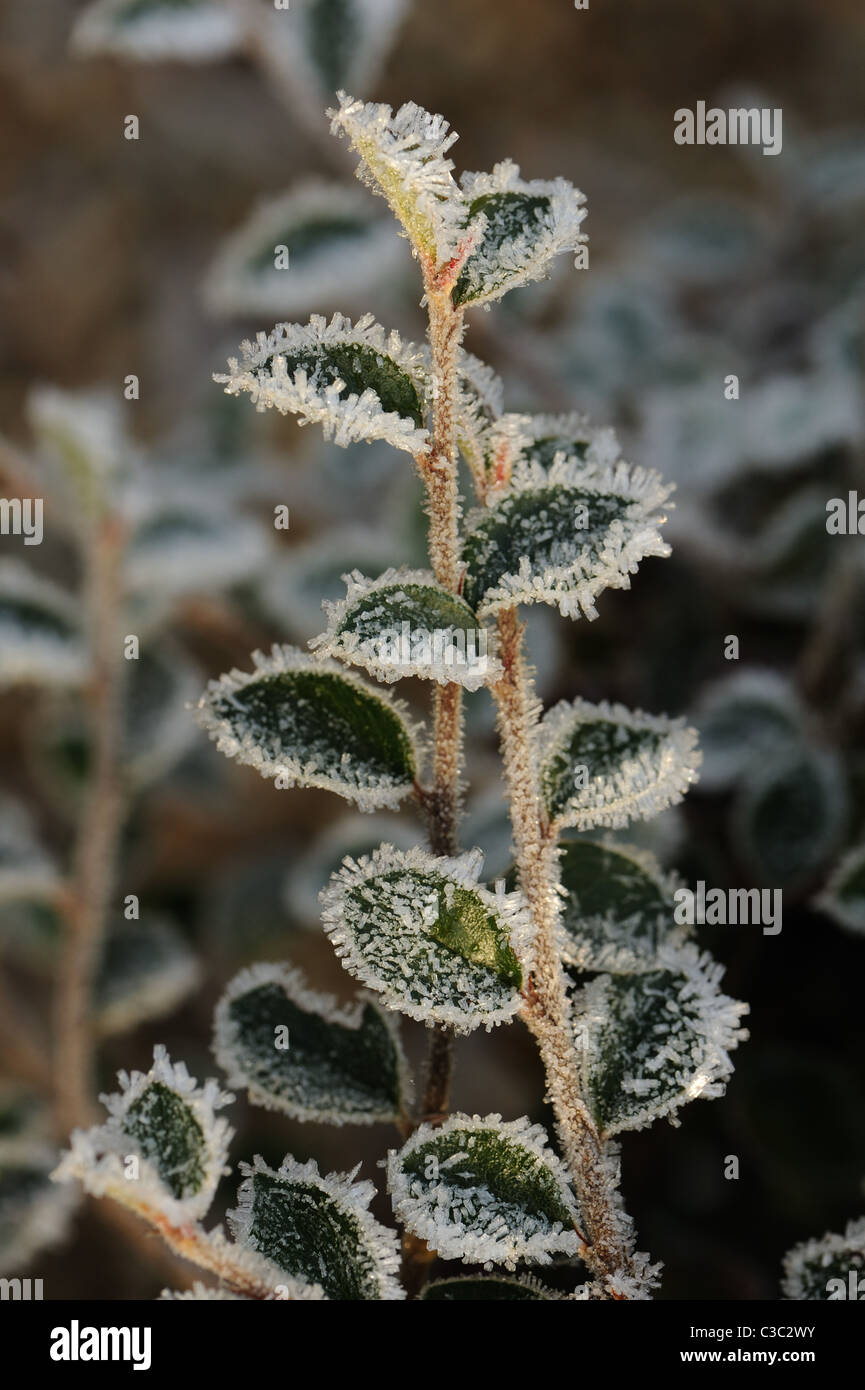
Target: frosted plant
x,y
578,941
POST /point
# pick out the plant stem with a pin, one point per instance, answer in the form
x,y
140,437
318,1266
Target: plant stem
x,y
89,896
546,1008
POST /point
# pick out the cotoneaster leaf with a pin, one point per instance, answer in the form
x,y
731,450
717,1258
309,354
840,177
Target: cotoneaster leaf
x,y
617,909
742,720
147,970
181,546
309,724
297,1051
425,935
527,224
404,624
604,765
562,535
41,642
648,1043
356,382
317,1228
484,1191
790,815
169,1127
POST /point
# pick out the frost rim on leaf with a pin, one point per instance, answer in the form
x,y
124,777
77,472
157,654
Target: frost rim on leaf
x,y
326,1006
640,787
346,646
95,1157
351,1198
262,373
450,1239
245,750
490,1008
527,257
825,1249
573,585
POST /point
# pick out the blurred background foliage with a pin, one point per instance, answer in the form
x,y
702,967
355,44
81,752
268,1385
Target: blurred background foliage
x,y
114,259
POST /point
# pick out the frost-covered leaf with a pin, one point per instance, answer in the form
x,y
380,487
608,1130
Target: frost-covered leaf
x,y
545,436
425,934
298,1051
828,1269
470,1288
404,624
562,535
41,642
82,443
163,1146
790,815
351,836
34,1214
356,382
317,1228
26,868
528,224
607,765
480,395
742,720
843,897
793,557
337,246
648,1043
618,907
403,159
185,545
147,969
484,1191
309,724
193,31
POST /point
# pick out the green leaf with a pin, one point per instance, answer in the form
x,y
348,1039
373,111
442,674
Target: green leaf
x,y
337,246
828,1269
423,933
649,1043
742,720
618,907
308,724
192,31
843,898
562,536
467,1288
791,815
404,624
297,1051
607,765
484,1191
41,642
169,1128
147,969
527,224
317,1228
355,382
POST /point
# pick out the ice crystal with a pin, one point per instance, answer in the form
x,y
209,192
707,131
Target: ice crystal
x,y
425,935
527,224
355,381
605,765
337,1065
317,1228
563,534
310,724
169,1125
404,624
484,1191
649,1043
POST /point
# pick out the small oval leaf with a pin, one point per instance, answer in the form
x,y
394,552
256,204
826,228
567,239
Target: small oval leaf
x,y
404,624
309,724
317,1228
41,642
791,815
423,933
297,1051
147,969
607,765
485,1191
742,720
617,909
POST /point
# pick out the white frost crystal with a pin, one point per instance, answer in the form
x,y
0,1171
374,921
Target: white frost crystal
x,y
485,1191
314,390
163,1121
431,941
